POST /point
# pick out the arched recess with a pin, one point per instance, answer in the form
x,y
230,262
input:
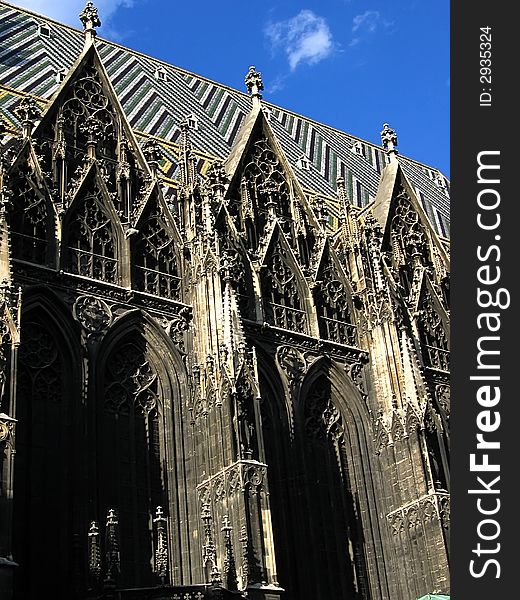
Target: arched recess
x,y
333,535
321,483
277,451
340,418
47,511
139,454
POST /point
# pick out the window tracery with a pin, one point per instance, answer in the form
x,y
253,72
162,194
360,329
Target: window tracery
x,y
156,262
131,384
334,313
91,241
30,220
266,178
233,266
409,239
435,344
283,303
131,438
87,115
322,418
46,404
41,365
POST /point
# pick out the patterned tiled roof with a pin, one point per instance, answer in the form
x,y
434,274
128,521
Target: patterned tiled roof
x,y
157,97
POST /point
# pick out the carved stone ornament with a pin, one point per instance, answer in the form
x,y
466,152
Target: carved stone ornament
x,y
292,362
4,432
93,314
253,81
217,177
89,16
28,111
424,510
378,308
176,326
152,151
396,523
6,429
355,372
444,507
382,437
442,393
388,138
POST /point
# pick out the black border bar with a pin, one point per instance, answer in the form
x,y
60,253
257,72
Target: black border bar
x,y
485,246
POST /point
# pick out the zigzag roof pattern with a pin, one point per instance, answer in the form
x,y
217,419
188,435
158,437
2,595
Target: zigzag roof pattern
x,y
31,61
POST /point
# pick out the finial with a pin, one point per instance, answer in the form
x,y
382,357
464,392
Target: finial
x,y
218,179
28,112
112,548
3,130
342,192
94,551
161,550
320,210
152,153
230,572
209,555
254,85
389,140
90,20
188,164
343,198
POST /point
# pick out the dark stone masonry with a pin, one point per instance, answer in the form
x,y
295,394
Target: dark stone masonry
x,y
224,358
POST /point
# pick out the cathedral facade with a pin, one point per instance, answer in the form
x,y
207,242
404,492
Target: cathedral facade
x,y
224,359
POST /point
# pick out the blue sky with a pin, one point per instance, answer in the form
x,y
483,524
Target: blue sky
x,y
353,64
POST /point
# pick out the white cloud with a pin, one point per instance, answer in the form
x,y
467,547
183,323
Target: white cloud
x,y
67,11
368,21
305,38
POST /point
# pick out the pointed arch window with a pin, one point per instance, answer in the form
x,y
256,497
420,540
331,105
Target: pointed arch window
x,y
87,117
334,312
435,343
46,466
283,300
91,241
132,477
266,181
155,258
329,542
409,237
30,221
